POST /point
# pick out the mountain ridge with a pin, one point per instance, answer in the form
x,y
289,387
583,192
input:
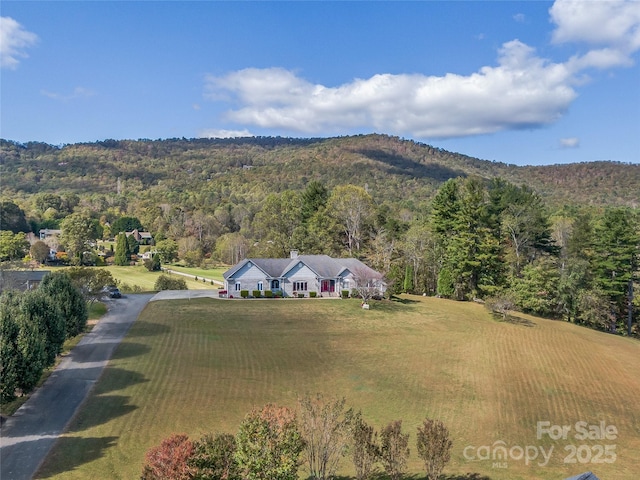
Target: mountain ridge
x,y
394,170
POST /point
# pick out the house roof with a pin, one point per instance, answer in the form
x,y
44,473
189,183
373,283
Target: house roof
x,y
322,265
583,476
20,279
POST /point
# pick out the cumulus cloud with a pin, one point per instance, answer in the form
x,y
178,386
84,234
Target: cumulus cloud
x,y
522,89
611,28
214,133
570,142
14,40
78,92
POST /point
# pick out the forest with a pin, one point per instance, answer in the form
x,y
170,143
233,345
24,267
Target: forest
x,y
561,241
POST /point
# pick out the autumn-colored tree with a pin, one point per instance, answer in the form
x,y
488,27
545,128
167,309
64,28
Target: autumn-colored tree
x,y
434,447
394,449
269,444
325,427
169,460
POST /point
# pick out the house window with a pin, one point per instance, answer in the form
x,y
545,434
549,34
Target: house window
x,y
275,284
238,287
260,286
299,286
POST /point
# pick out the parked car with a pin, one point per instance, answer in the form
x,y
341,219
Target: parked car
x,y
115,293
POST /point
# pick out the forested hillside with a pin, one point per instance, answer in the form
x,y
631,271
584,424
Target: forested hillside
x,y
392,169
561,241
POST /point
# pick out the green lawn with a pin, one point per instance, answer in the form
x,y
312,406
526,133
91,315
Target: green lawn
x,y
208,273
199,366
145,280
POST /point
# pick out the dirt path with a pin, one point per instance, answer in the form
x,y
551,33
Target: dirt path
x,y
27,436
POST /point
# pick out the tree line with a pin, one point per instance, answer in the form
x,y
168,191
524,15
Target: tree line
x,y
33,328
273,442
477,239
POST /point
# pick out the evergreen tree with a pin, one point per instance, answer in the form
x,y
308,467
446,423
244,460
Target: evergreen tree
x,y
616,246
123,254
60,288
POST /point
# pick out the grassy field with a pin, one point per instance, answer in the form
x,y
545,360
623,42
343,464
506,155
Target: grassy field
x,y
199,366
144,279
209,273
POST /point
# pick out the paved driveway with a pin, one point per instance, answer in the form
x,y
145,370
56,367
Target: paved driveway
x,y
27,436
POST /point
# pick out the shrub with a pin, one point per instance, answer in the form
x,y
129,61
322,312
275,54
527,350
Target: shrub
x,y
268,293
394,449
213,458
269,444
365,448
153,264
167,282
301,295
257,293
244,293
169,460
434,447
313,294
345,293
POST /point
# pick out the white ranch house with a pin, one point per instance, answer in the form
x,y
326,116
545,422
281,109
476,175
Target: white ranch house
x,y
300,274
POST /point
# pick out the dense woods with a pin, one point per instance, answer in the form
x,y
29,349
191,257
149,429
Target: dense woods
x,y
560,241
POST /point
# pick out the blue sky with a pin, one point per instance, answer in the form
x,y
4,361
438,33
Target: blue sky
x,y
517,82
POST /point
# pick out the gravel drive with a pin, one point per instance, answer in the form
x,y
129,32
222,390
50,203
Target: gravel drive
x,y
28,435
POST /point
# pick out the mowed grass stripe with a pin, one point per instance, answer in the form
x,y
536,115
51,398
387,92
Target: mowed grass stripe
x,y
199,366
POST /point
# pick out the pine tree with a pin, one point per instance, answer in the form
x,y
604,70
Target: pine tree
x,y
123,254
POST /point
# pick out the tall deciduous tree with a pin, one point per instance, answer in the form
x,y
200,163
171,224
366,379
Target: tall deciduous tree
x,y
13,246
125,224
353,208
394,449
434,447
78,231
325,427
39,251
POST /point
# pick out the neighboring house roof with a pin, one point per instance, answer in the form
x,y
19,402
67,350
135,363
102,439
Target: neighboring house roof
x,y
48,232
21,279
322,265
139,235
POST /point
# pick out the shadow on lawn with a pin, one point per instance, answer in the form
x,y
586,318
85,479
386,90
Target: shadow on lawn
x,y
88,450
147,329
100,410
130,349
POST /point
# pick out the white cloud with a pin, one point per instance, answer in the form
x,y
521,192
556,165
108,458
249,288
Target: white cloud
x,y
78,92
14,40
522,91
214,133
570,142
519,17
611,22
